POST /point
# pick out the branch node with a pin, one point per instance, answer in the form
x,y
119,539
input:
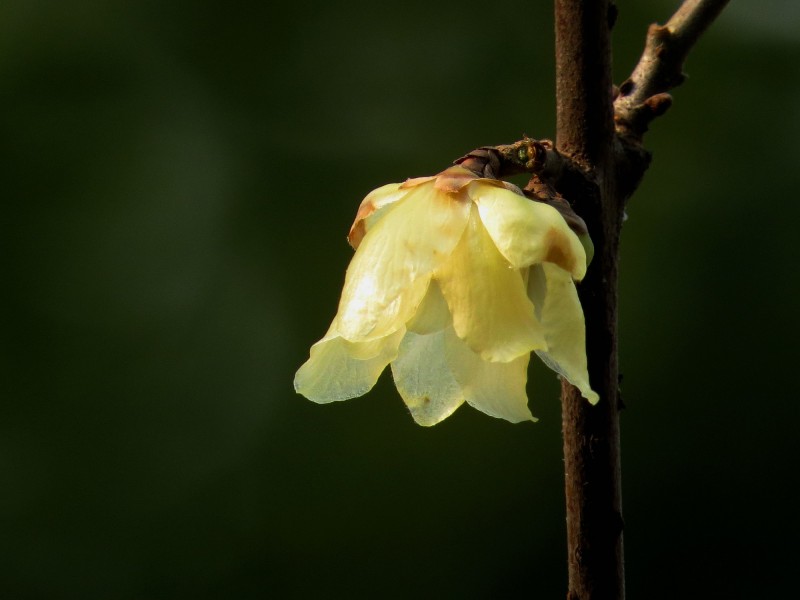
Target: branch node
x,y
658,36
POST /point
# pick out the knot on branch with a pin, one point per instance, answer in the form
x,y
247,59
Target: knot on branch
x,y
635,121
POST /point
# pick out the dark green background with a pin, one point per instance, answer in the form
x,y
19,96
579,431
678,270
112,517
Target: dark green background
x,y
177,181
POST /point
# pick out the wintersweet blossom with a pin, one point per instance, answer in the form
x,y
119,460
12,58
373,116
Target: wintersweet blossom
x,y
456,279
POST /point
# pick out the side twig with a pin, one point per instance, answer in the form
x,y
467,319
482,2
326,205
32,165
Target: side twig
x,y
643,96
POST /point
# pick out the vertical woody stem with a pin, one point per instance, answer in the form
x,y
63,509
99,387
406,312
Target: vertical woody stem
x,y
585,132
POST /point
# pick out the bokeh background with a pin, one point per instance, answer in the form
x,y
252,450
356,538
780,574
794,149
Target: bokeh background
x,y
177,181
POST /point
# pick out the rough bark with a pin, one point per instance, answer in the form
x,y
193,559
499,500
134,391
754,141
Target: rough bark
x,y
585,133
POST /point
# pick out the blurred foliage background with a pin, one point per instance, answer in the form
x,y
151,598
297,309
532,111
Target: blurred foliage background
x,y
178,179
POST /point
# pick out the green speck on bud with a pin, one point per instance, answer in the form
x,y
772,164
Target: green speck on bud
x,y
522,154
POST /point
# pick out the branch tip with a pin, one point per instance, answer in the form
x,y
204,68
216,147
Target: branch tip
x,y
658,104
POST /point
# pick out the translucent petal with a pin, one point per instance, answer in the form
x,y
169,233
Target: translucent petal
x,y
491,311
433,314
424,380
339,370
372,209
389,274
553,292
528,232
497,389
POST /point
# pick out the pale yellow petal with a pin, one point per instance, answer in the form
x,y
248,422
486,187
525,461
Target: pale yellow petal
x,y
553,292
389,274
339,370
433,314
372,209
528,232
495,388
491,310
424,380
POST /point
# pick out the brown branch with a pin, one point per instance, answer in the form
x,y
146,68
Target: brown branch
x,y
604,138
583,80
596,164
585,132
643,96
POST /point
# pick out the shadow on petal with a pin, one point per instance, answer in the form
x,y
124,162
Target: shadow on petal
x,y
553,292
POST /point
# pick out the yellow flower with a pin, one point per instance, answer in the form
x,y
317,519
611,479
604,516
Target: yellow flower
x,y
455,280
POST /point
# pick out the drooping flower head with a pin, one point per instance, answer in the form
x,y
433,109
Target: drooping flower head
x,y
456,279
